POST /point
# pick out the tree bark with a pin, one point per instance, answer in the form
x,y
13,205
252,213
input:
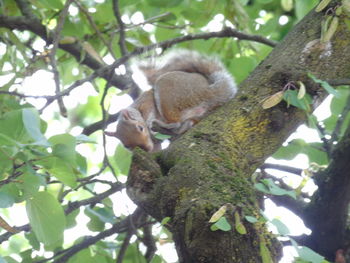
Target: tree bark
x,y
212,164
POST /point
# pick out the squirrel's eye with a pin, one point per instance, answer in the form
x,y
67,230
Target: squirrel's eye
x,y
140,128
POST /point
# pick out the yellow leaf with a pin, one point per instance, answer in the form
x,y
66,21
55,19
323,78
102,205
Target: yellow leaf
x,y
287,5
218,214
331,30
68,40
240,228
322,5
273,100
302,90
92,52
6,226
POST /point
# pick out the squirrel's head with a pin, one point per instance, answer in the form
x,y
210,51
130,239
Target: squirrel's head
x,y
132,130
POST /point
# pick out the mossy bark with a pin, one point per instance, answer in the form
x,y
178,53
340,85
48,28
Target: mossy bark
x,y
212,164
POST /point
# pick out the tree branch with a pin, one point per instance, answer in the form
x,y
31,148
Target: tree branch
x,y
52,54
117,15
137,218
125,245
73,206
26,9
283,168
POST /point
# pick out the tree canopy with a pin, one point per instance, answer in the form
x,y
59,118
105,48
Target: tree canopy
x,y
67,68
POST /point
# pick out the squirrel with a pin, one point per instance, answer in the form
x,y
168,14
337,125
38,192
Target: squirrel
x,y
186,87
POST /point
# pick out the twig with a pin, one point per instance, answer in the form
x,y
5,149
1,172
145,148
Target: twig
x,y
283,168
117,15
95,199
73,206
100,124
149,20
116,228
104,141
25,8
326,145
124,246
52,54
226,32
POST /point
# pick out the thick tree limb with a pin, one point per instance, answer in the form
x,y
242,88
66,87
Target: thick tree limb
x,y
211,165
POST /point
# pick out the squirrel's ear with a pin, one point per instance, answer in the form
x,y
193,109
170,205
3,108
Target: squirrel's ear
x,y
125,114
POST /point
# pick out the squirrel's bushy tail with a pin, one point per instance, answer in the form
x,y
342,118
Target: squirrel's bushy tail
x,y
193,62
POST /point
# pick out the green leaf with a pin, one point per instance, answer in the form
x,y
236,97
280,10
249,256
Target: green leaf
x,y
71,219
33,241
8,260
325,85
338,103
31,121
6,140
29,183
12,126
240,228
133,254
121,159
223,224
269,187
51,4
6,163
59,168
64,147
164,4
251,219
7,199
281,227
265,253
314,151
165,220
82,164
293,148
161,136
303,7
157,259
241,67
287,5
95,224
306,254
84,255
163,34
291,97
46,218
